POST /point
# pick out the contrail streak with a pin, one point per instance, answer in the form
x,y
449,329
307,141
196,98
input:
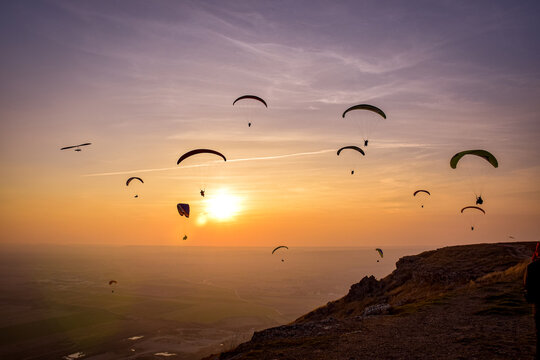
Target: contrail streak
x,y
125,172
284,156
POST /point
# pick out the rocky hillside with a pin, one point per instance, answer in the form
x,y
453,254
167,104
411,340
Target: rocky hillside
x,y
458,302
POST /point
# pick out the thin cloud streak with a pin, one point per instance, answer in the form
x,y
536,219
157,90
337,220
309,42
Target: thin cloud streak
x,y
210,163
285,156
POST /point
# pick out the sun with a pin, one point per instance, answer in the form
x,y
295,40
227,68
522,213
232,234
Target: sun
x,y
223,206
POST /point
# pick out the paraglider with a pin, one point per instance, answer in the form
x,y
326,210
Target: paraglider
x,y
420,193
250,101
280,247
365,122
197,152
183,210
128,181
473,211
475,170
351,147
75,147
113,282
380,253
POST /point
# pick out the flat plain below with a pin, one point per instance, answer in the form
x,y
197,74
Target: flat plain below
x,y
182,302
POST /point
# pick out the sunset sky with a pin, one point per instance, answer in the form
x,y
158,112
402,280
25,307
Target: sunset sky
x,y
146,81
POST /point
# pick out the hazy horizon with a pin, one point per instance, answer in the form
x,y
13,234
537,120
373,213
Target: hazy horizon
x,y
57,300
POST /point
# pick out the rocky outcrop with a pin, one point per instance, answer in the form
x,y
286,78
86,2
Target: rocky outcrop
x,y
443,289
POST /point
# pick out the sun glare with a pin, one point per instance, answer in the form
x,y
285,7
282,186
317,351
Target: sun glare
x,y
223,206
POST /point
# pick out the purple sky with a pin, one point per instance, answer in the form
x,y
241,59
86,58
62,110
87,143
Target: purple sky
x,y
147,80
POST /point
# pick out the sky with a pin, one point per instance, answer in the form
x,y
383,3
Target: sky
x,y
145,82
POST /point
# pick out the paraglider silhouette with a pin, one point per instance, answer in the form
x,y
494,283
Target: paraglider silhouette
x,y
200,151
380,253
472,210
75,147
421,191
475,174
250,98
128,181
280,247
365,122
113,282
351,147
183,210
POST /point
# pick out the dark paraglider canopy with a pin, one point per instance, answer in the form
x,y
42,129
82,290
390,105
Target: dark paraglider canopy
x,y
351,147
473,207
424,191
183,209
76,147
380,252
113,282
253,97
365,107
199,151
133,178
279,247
481,153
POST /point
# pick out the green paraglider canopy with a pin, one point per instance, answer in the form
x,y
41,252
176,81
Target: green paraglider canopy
x,y
380,252
365,107
481,153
